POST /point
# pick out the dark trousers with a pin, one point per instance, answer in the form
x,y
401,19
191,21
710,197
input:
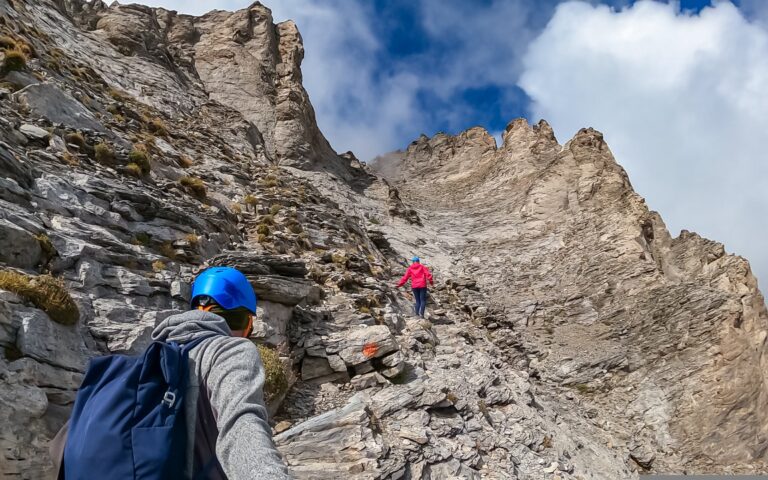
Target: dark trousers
x,y
420,296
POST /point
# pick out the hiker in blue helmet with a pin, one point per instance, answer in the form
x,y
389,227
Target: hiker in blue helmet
x,y
197,394
235,442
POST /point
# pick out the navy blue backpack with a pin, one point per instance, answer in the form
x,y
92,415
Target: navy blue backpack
x,y
128,421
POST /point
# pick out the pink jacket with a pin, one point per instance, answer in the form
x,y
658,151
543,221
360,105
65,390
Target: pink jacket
x,y
419,275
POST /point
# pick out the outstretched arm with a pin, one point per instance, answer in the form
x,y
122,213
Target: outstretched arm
x,y
405,278
244,446
429,277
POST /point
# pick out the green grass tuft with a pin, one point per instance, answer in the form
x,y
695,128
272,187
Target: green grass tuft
x,y
194,185
276,378
104,154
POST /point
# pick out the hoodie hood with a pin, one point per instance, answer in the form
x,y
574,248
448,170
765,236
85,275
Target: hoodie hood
x,y
189,326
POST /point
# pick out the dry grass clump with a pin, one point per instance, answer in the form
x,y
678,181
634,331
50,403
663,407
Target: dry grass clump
x,y
118,95
46,245
158,266
14,60
76,138
45,292
133,170
70,159
276,378
263,229
167,250
140,157
158,127
270,181
103,153
185,161
274,209
194,185
294,226
251,200
193,239
7,43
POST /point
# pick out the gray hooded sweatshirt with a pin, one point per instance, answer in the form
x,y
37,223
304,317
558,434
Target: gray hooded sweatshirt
x,y
224,404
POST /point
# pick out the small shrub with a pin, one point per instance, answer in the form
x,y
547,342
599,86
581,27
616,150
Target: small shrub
x,y
185,161
104,154
194,185
140,157
133,170
267,220
451,397
365,309
158,127
263,229
274,209
236,208
45,292
14,60
262,238
275,376
158,266
7,43
113,109
374,221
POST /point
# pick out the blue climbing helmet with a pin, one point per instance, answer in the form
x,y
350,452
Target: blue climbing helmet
x,y
415,259
227,286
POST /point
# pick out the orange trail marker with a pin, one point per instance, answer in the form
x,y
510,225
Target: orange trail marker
x,y
370,349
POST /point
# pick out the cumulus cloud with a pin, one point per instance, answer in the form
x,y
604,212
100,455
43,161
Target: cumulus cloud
x,y
681,99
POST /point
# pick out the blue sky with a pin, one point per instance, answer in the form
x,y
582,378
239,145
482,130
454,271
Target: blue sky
x,y
680,89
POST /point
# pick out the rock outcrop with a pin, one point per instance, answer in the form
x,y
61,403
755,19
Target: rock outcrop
x,y
570,336
664,338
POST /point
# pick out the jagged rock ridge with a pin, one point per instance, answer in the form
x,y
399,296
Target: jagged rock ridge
x,y
139,145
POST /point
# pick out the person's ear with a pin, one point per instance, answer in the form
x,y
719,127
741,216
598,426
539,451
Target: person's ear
x,y
249,328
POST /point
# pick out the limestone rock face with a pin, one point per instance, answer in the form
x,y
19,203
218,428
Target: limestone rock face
x,y
664,337
569,335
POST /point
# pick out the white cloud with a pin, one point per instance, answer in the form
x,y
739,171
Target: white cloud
x,y
682,100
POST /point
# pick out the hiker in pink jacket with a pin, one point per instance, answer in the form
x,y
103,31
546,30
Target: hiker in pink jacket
x,y
419,276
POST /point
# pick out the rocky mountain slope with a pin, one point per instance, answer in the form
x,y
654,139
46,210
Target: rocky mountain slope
x,y
570,336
